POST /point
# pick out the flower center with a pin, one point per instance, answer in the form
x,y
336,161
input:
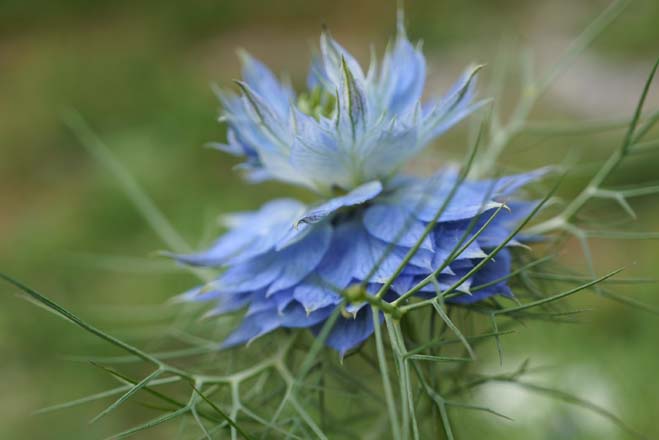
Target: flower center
x,y
316,103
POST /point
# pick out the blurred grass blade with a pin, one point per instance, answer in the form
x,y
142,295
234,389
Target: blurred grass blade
x,y
132,189
629,137
583,41
575,400
142,202
477,408
61,311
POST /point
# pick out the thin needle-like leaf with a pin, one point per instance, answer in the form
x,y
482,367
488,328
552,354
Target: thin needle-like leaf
x,y
557,296
141,384
442,314
101,395
221,413
61,311
150,424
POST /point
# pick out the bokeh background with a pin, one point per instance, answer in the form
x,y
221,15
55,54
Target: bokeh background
x,y
139,72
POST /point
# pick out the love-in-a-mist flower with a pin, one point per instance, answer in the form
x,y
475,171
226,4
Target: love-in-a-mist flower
x,y
346,138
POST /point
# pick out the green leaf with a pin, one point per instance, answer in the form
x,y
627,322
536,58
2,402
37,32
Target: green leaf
x,y
141,384
150,424
64,313
221,413
442,314
557,296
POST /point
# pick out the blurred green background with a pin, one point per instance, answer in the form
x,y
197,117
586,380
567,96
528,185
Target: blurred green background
x,y
140,73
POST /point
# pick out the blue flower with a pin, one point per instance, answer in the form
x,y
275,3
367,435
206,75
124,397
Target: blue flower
x,y
349,128
290,274
288,265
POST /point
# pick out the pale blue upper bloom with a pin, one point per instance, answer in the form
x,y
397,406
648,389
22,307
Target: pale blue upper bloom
x,y
350,128
288,263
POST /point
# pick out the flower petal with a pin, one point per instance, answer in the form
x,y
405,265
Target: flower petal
x,y
298,260
395,225
257,233
263,81
357,196
347,333
402,77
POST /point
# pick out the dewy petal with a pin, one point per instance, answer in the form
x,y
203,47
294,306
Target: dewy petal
x,y
357,196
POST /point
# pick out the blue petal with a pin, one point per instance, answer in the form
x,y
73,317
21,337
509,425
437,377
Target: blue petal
x,y
507,185
496,268
389,150
402,77
205,292
357,196
231,302
337,269
295,316
252,327
315,296
332,55
352,105
451,236
453,107
264,82
393,224
425,197
315,153
254,274
317,76
374,260
298,260
503,224
348,333
257,233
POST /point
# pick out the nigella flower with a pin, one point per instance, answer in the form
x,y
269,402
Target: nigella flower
x,y
350,128
288,264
